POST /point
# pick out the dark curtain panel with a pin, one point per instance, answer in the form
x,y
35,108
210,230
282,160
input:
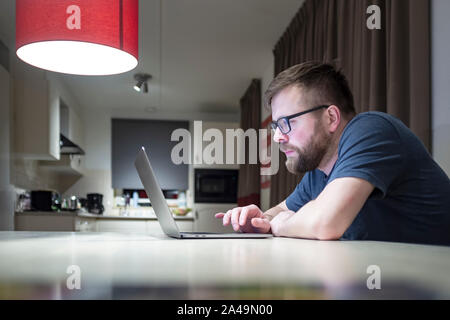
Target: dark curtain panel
x,y
388,69
249,177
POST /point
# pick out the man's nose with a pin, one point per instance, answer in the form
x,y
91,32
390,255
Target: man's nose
x,y
280,137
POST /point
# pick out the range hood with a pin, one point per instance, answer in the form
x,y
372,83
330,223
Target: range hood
x,y
68,147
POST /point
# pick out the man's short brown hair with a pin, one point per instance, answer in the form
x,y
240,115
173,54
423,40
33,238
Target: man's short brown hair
x,y
324,84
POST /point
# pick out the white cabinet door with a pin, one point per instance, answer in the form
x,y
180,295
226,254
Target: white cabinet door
x,y
137,226
36,108
85,225
205,220
52,222
121,225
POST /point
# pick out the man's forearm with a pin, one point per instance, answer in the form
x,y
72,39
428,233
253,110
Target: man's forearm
x,y
302,224
329,215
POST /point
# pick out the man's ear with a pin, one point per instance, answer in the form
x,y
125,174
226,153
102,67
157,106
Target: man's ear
x,y
333,118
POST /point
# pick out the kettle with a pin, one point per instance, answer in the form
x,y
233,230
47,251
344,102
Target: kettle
x,y
73,204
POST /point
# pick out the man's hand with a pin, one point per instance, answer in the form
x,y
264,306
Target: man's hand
x,y
249,219
279,221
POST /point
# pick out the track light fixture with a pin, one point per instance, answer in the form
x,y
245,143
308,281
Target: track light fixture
x,y
142,82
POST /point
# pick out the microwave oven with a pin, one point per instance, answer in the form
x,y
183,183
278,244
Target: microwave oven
x,y
215,186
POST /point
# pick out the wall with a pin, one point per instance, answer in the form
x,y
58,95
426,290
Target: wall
x,y
440,10
6,190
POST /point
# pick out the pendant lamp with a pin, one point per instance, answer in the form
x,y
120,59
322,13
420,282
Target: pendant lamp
x,y
84,37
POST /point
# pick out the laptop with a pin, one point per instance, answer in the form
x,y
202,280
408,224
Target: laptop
x,y
163,213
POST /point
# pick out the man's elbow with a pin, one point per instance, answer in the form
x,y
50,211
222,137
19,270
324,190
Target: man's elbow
x,y
328,232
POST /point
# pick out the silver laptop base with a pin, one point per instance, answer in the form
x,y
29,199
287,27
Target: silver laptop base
x,y
205,235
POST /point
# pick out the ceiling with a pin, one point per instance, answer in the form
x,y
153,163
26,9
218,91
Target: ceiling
x,y
202,54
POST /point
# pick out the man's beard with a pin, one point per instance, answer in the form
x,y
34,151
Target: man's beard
x,y
310,157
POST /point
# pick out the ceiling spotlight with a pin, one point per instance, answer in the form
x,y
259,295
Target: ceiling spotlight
x,y
142,82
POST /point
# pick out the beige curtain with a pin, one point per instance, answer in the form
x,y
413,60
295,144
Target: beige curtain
x,y
249,177
388,69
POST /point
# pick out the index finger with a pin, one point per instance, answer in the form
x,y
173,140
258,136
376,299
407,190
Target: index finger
x,y
247,212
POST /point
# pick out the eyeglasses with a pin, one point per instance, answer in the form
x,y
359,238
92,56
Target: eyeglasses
x,y
284,124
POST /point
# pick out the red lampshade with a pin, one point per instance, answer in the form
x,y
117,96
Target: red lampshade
x,y
86,37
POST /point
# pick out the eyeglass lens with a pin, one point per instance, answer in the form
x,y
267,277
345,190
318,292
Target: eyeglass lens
x,y
283,124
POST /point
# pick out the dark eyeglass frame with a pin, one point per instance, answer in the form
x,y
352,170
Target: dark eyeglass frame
x,y
274,124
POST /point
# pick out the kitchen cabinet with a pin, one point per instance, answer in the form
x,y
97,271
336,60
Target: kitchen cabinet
x,y
36,113
126,226
44,221
149,226
43,108
86,222
205,220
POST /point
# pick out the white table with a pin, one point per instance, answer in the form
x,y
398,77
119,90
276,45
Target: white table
x,y
34,265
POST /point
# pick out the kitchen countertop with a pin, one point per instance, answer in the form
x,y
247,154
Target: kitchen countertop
x,y
34,265
47,213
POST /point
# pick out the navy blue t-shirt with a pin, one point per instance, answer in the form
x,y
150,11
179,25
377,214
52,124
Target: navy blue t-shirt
x,y
411,200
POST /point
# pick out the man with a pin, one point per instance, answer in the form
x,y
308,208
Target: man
x,y
368,177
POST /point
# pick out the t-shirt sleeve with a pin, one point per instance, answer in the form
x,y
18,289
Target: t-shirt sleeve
x,y
301,195
370,149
